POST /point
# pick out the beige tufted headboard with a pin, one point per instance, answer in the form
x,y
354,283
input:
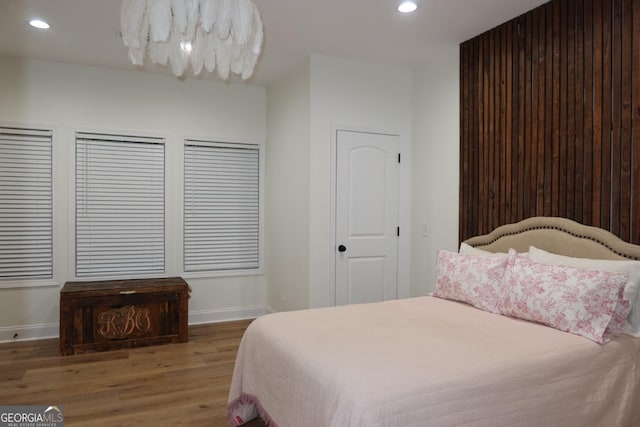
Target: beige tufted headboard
x,y
558,235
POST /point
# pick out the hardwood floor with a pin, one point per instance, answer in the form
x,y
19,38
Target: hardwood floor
x,y
168,385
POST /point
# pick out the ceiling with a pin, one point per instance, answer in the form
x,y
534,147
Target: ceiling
x,y
87,31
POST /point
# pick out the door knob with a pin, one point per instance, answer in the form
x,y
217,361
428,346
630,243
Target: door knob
x,y
342,248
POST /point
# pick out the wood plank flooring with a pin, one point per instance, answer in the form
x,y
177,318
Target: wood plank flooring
x,y
168,385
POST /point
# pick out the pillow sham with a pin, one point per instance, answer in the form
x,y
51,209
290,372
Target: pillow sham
x,y
630,295
476,280
470,250
570,299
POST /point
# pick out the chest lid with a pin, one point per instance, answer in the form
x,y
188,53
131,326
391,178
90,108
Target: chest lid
x,y
124,287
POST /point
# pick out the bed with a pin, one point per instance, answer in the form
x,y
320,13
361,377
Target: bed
x,y
429,361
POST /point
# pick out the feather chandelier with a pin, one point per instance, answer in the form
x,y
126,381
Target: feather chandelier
x,y
222,35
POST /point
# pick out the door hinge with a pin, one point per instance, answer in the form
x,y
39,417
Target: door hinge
x,y
398,231
398,157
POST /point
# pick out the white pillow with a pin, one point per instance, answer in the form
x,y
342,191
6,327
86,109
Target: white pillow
x,y
629,267
470,250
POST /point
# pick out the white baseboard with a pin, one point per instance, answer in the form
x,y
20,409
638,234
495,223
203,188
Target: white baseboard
x,y
29,332
225,314
52,330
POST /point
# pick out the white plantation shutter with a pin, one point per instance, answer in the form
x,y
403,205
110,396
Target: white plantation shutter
x,y
221,206
120,205
26,214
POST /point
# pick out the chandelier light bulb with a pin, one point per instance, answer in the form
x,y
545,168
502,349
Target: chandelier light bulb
x,y
186,47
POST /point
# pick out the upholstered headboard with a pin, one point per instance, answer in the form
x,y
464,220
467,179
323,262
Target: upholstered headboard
x,y
558,235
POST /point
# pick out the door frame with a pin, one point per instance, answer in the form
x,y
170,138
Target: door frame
x,y
404,209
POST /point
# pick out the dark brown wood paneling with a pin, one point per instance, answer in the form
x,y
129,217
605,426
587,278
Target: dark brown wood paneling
x,y
587,211
521,125
561,109
635,142
542,92
597,111
625,143
571,109
477,126
607,99
465,105
550,118
529,35
547,172
616,126
579,100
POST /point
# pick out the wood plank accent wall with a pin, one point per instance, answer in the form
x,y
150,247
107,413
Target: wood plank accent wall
x,y
550,118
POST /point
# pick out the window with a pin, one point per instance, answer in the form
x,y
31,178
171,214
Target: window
x,y
120,205
26,207
221,206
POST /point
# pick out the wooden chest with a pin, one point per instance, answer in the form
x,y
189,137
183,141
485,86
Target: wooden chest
x,y
108,315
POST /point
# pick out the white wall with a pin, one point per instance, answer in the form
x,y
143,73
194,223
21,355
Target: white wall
x,y
304,107
364,95
71,97
324,93
435,164
287,192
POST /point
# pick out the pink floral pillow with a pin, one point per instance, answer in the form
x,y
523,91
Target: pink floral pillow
x,y
575,300
629,298
476,280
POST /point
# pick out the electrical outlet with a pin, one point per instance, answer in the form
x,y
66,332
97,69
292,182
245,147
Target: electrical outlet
x,y
425,229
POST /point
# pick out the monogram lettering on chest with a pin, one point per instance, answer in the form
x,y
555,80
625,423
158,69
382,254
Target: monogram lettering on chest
x,y
125,322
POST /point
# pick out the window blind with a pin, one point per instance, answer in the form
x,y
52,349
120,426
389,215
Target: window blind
x,y
26,213
120,205
221,207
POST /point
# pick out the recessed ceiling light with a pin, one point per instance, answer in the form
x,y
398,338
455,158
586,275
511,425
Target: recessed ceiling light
x,y
39,23
407,6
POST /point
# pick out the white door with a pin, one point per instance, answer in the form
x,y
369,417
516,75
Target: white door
x,y
367,186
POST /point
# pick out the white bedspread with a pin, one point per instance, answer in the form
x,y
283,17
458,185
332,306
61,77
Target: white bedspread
x,y
429,362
